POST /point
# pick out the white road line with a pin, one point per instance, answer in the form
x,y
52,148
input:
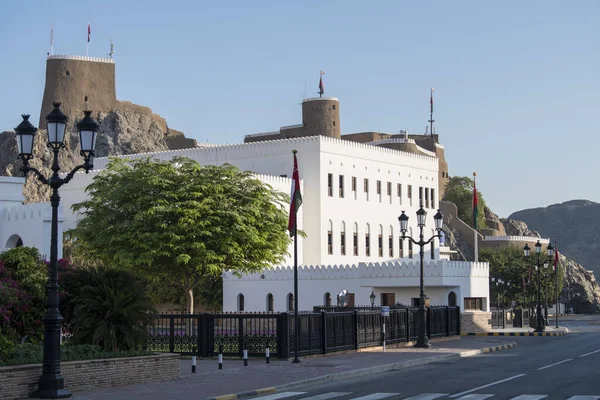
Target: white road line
x,y
488,385
584,398
590,353
557,363
376,396
326,396
427,396
282,395
530,397
476,396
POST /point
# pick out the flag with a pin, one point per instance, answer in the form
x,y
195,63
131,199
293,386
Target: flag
x,y
431,101
321,88
556,259
89,32
296,199
475,203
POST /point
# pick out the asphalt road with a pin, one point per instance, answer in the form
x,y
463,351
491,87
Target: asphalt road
x,y
565,367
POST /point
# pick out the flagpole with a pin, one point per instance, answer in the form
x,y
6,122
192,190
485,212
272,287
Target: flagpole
x,y
52,38
87,44
475,230
296,316
431,114
556,289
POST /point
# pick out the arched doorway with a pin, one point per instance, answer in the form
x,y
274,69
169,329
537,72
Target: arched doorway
x,y
240,302
290,302
452,299
14,241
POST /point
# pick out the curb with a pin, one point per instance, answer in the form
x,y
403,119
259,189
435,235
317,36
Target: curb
x,y
513,333
362,372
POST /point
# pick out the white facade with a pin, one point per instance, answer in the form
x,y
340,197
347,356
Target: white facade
x,y
441,278
25,224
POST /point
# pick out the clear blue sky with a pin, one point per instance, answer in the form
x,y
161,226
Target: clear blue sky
x,y
516,83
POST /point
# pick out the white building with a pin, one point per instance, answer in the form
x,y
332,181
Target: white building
x,y
25,224
352,194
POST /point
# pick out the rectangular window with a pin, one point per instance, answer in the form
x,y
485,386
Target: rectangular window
x,y
330,184
420,195
391,245
366,188
329,242
355,243
432,250
426,197
399,191
342,186
367,245
410,249
389,188
380,245
432,193
343,243
473,303
354,184
400,247
378,187
409,194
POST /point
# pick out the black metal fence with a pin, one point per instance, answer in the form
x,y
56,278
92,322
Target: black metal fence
x,y
320,332
498,319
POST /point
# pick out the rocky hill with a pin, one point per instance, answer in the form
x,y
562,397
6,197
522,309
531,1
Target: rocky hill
x,y
582,292
574,225
128,129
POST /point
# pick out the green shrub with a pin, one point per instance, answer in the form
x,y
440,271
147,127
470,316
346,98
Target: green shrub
x,y
6,346
23,354
113,310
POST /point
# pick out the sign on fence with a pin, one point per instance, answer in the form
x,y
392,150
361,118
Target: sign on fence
x,y
385,311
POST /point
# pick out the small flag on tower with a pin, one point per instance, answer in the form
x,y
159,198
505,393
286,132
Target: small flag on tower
x,y
431,100
475,203
89,32
321,88
296,199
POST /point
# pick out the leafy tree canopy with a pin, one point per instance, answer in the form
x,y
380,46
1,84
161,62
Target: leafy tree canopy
x,y
179,222
459,190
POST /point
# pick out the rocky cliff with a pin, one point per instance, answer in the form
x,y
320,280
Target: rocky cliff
x,y
128,129
581,292
574,224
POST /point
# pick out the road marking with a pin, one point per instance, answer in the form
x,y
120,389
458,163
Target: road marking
x,y
584,398
552,365
488,385
427,396
280,395
530,397
476,396
326,396
590,353
375,396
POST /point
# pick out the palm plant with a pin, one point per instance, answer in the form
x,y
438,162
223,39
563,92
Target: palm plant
x,y
113,310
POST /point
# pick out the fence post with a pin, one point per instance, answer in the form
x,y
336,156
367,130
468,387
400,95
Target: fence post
x,y
323,332
458,319
171,333
355,336
408,314
283,347
241,336
428,322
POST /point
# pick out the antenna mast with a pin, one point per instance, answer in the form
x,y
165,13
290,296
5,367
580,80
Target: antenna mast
x,y
431,120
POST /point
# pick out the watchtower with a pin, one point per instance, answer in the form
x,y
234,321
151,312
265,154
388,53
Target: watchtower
x,y
321,116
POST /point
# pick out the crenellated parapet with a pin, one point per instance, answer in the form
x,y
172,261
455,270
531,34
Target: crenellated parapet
x,y
80,58
32,211
392,269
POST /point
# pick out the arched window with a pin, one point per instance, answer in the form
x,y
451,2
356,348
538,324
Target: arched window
x,y
330,238
380,241
452,299
391,242
240,302
290,302
368,241
343,239
327,299
270,303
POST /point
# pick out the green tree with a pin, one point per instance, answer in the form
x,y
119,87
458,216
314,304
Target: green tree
x,y
179,222
113,310
459,190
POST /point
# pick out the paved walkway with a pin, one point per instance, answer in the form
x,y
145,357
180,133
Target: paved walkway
x,y
210,382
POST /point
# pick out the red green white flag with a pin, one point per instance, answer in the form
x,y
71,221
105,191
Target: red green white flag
x,y
296,199
556,259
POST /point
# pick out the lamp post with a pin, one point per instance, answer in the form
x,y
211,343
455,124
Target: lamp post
x,y
538,264
422,340
372,298
51,382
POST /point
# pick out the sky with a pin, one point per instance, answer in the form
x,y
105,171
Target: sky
x,y
516,83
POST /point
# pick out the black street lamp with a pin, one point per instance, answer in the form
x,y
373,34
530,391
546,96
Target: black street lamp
x,y
422,339
372,298
538,264
51,382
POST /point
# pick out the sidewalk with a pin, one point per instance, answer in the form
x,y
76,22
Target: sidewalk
x,y
510,331
235,380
